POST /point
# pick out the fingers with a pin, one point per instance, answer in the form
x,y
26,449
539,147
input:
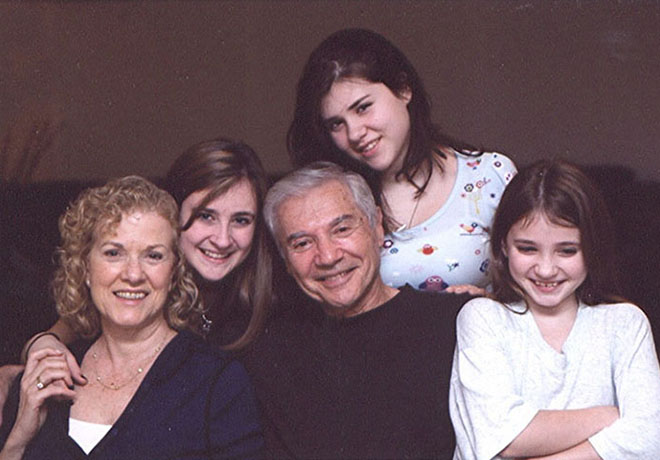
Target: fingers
x,y
55,358
43,379
45,369
46,341
466,288
74,369
37,388
52,345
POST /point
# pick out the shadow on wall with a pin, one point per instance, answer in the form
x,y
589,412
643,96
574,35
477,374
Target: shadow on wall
x,y
29,234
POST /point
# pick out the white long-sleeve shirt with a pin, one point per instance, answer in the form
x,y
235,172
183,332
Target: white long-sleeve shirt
x,y
504,372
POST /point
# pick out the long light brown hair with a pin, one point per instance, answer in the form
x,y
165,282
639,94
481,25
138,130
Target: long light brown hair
x,y
217,165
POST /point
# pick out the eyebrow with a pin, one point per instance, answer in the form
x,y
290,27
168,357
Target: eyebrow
x,y
206,210
561,243
350,107
333,222
156,246
341,219
358,102
121,246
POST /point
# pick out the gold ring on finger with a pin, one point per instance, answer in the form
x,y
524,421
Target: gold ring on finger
x,y
40,384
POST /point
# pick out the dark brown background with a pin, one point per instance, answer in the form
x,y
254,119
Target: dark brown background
x,y
90,90
123,87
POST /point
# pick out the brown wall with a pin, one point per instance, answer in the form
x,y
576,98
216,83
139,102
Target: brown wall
x,y
116,88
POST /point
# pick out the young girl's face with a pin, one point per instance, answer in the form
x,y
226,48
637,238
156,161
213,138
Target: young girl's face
x,y
368,122
546,261
221,237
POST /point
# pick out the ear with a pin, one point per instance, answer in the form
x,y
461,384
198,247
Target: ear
x,y
505,249
405,94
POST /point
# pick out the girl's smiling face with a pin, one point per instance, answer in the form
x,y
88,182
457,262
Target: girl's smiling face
x,y
546,261
220,237
368,122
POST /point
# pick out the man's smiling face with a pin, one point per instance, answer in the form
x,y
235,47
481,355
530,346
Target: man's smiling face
x,y
331,250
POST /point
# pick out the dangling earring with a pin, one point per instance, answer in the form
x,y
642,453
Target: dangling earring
x,y
87,282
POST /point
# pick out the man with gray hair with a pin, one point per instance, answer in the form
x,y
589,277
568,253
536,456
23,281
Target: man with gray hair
x,y
367,374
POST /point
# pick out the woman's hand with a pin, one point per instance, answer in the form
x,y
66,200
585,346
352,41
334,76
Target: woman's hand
x,y
7,375
49,342
45,371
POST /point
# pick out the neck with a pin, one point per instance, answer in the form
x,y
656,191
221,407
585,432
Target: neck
x,y
378,294
566,310
124,346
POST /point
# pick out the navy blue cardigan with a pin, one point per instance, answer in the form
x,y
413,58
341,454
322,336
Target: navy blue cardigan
x,y
194,403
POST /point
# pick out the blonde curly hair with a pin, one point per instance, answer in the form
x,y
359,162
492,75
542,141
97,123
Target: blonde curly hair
x,y
97,211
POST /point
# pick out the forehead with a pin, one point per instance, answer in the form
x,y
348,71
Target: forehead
x,y
540,226
240,196
317,208
147,227
345,91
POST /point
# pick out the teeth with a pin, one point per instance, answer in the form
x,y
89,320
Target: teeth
x,y
214,255
546,285
333,277
369,146
131,295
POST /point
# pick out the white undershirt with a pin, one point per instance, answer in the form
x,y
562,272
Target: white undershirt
x,y
87,434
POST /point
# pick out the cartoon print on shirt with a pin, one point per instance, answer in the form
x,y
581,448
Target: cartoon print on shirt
x,y
473,229
474,164
484,266
427,249
441,246
469,228
433,283
472,192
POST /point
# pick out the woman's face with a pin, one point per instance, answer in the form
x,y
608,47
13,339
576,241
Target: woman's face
x,y
368,122
221,236
130,270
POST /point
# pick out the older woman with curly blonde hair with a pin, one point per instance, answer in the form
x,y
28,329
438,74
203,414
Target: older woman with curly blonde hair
x,y
100,210
154,390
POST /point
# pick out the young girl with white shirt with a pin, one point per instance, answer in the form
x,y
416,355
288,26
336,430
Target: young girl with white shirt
x,y
557,366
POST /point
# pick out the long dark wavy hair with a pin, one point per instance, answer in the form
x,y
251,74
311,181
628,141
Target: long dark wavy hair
x,y
217,165
566,196
361,53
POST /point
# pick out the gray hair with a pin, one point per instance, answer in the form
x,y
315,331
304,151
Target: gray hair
x,y
300,181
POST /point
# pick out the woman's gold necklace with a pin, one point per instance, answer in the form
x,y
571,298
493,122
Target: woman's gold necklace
x,y
412,215
118,386
419,194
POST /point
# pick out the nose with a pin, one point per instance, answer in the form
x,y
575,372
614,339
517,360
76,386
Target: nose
x,y
545,266
221,236
133,272
328,253
355,130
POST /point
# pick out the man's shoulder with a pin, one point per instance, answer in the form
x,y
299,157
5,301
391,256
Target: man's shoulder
x,y
430,301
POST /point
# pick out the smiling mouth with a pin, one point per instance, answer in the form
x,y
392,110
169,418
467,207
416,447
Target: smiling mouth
x,y
546,285
335,277
366,148
215,255
131,295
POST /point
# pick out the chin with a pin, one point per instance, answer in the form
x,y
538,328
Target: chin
x,y
214,276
